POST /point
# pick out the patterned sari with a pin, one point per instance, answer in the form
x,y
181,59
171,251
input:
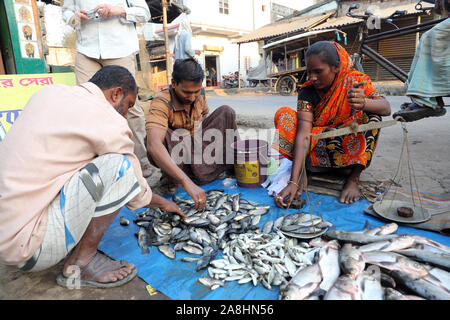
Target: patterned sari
x,y
331,112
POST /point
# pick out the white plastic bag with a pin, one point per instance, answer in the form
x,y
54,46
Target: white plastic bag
x,y
279,180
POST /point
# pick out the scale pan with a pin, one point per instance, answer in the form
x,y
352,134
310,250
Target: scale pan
x,y
388,210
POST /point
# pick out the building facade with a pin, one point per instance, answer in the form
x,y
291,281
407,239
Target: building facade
x,y
216,24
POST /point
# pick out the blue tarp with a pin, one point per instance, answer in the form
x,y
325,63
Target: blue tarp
x,y
178,280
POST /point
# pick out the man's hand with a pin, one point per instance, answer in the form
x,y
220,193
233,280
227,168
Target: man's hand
x,y
356,97
78,18
171,206
109,11
197,194
166,205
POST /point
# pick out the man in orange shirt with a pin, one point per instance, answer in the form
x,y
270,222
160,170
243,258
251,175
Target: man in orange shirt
x,y
67,169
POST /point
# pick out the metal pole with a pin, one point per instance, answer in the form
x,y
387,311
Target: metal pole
x,y
239,66
164,5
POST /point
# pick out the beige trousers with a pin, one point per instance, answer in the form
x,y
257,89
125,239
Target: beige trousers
x,y
86,67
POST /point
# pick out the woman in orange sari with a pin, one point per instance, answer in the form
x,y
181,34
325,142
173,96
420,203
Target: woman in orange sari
x,y
334,96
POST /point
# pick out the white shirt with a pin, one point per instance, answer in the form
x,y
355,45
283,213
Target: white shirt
x,y
111,38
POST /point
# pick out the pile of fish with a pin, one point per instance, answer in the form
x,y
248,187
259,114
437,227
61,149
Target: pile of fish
x,y
269,258
373,264
203,232
301,225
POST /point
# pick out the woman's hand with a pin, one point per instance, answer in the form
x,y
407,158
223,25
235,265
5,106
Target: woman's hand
x,y
289,191
356,98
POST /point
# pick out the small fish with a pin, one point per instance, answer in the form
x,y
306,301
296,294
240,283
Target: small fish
x,y
167,250
192,249
209,282
123,221
143,240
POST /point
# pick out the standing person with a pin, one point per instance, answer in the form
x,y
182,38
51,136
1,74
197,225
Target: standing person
x,y
110,39
65,174
429,76
177,123
330,99
183,46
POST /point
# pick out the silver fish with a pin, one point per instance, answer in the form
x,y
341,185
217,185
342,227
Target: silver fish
x,y
167,250
192,249
329,264
345,288
143,240
303,284
402,242
423,286
392,294
393,261
370,286
437,258
351,260
209,282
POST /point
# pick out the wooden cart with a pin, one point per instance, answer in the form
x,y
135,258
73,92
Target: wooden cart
x,y
285,58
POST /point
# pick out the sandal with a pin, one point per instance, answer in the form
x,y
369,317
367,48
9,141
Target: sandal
x,y
98,265
412,112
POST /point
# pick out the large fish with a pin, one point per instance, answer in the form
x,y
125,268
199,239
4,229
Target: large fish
x,y
305,282
357,237
351,260
370,286
392,294
402,242
329,264
396,262
423,286
345,288
419,252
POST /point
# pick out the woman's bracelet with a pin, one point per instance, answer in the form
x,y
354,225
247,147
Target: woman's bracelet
x,y
290,181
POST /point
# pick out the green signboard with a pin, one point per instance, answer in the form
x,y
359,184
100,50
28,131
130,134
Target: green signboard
x,y
20,37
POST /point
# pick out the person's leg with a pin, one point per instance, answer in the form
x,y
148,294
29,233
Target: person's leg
x,y
350,192
86,249
85,67
79,216
136,118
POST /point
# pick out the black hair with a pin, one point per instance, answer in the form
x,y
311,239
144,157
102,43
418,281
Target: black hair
x,y
326,52
187,69
114,76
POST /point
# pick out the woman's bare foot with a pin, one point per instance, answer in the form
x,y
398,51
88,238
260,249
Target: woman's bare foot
x,y
350,193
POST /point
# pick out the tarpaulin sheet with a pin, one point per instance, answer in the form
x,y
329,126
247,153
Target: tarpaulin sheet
x,y
179,280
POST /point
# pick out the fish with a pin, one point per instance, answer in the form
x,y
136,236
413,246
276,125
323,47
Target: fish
x,y
329,264
303,284
211,283
167,250
395,244
385,229
370,286
351,260
357,237
267,227
392,294
419,253
345,288
123,221
192,249
422,286
396,262
143,240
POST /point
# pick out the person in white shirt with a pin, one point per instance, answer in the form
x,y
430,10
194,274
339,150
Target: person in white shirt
x,y
107,36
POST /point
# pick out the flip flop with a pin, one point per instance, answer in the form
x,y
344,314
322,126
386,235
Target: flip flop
x,y
413,112
98,265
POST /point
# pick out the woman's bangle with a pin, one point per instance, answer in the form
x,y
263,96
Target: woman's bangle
x,y
290,181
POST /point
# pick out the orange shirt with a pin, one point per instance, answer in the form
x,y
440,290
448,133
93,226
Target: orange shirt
x,y
60,130
167,112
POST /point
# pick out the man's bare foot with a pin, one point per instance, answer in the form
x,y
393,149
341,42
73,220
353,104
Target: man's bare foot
x,y
99,268
350,193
